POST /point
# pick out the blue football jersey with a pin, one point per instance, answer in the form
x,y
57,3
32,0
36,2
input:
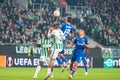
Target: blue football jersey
x,y
79,43
67,29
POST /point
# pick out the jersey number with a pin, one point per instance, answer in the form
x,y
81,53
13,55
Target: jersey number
x,y
67,31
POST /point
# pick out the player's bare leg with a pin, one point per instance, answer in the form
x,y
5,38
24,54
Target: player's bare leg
x,y
38,69
71,65
62,66
49,69
67,65
52,74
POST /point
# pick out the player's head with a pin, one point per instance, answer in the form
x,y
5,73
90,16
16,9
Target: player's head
x,y
81,32
68,19
55,26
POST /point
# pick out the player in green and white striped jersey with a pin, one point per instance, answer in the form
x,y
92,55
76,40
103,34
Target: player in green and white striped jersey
x,y
57,46
45,44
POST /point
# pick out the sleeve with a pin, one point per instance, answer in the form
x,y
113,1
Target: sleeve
x,y
75,41
86,41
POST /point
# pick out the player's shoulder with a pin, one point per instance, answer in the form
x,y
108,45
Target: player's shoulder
x,y
67,24
85,37
63,24
55,31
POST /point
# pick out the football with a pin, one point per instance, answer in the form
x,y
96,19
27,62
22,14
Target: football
x,y
56,13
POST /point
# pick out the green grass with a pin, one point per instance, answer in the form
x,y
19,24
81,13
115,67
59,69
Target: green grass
x,y
27,74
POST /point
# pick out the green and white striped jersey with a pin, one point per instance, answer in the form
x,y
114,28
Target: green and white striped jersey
x,y
45,45
58,37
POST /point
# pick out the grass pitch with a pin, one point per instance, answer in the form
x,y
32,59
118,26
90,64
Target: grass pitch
x,y
27,74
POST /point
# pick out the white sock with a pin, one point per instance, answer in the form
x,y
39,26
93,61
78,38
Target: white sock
x,y
37,70
49,71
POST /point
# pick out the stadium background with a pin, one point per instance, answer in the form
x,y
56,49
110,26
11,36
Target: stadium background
x,y
24,21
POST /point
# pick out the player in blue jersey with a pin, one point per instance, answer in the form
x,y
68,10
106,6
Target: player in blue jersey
x,y
81,43
68,30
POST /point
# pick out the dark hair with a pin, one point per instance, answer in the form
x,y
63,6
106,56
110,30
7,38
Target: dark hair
x,y
55,26
69,19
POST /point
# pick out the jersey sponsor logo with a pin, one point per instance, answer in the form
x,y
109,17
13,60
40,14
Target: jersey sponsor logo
x,y
79,43
68,27
83,40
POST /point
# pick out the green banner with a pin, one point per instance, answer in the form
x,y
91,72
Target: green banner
x,y
116,53
106,52
108,62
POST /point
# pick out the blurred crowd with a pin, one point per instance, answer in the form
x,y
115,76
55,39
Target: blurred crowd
x,y
109,11
21,26
104,24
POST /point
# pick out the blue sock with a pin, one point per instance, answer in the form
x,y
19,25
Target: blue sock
x,y
73,71
59,61
86,68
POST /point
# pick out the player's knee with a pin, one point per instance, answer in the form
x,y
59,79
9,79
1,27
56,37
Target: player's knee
x,y
51,65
